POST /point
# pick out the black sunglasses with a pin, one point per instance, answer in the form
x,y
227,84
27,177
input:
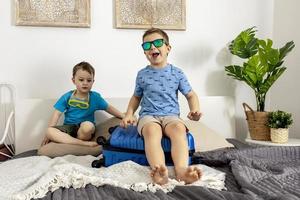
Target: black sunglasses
x,y
157,43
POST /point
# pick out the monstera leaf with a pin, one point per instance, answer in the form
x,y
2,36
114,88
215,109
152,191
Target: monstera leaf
x,y
245,44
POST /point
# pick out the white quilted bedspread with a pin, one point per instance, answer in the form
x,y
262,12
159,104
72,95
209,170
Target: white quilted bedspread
x,y
33,177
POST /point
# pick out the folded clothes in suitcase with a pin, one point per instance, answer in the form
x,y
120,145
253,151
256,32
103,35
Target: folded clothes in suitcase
x,y
127,144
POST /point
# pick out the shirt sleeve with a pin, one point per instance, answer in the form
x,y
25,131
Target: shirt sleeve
x,y
138,91
184,85
102,104
62,103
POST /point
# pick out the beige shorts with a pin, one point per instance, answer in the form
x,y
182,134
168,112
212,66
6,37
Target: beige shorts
x,y
161,120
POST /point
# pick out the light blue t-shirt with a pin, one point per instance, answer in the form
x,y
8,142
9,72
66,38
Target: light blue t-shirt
x,y
158,89
75,115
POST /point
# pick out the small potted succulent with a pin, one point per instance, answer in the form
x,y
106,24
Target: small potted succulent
x,y
279,122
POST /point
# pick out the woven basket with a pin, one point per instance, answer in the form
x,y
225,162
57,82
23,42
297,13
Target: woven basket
x,y
279,135
257,124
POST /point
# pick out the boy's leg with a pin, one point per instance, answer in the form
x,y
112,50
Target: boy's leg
x,y
86,130
152,133
176,131
59,136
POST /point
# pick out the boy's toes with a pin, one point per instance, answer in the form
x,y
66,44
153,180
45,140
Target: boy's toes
x,y
199,172
159,174
194,172
93,144
189,175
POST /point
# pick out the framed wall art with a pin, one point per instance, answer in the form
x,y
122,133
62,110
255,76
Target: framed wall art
x,y
143,14
67,13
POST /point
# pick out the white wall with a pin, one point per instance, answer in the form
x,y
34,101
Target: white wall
x,y
285,92
38,60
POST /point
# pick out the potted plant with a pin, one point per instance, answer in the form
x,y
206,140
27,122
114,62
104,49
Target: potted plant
x,y
263,65
279,122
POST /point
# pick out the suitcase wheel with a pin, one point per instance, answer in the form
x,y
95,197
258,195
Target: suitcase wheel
x,y
101,140
111,129
98,163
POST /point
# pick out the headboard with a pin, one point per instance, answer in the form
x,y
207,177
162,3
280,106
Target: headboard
x,y
32,117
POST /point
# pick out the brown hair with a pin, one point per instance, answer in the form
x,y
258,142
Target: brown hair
x,y
159,31
85,66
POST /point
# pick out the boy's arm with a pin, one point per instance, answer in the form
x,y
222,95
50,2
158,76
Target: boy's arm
x,y
193,102
132,107
54,119
115,112
52,122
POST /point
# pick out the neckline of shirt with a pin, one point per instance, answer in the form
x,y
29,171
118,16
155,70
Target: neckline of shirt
x,y
168,66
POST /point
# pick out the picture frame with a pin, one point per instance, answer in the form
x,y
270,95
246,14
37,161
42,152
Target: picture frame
x,y
61,13
144,14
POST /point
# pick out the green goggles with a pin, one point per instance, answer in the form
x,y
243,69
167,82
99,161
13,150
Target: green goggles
x,y
79,103
157,43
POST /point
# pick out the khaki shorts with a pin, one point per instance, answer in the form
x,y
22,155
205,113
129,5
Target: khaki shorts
x,y
161,120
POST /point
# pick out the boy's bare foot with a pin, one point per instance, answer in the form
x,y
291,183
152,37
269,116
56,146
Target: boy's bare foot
x,y
159,174
90,143
189,174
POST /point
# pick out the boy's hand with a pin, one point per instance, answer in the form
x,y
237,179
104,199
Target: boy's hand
x,y
45,141
194,115
127,120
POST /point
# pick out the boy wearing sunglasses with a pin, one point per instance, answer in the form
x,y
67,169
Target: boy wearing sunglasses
x,y
79,107
156,90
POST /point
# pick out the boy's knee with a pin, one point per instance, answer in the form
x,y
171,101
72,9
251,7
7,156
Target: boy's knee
x,y
175,131
152,129
86,130
87,127
176,127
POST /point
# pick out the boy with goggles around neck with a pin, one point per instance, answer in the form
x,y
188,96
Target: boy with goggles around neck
x,y
79,107
156,90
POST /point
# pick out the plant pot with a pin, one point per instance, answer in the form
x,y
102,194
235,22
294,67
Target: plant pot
x,y
257,124
279,135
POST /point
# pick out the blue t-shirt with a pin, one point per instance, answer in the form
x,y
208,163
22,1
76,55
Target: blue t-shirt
x,y
75,115
158,89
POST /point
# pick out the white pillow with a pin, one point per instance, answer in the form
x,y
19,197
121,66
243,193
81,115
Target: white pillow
x,y
205,138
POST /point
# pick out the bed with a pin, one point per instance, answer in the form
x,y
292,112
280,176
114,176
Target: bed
x,y
251,172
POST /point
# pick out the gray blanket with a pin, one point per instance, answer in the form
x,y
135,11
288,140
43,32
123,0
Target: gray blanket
x,y
251,173
263,173
269,172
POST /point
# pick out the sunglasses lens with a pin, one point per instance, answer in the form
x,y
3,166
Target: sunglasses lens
x,y
158,42
146,45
